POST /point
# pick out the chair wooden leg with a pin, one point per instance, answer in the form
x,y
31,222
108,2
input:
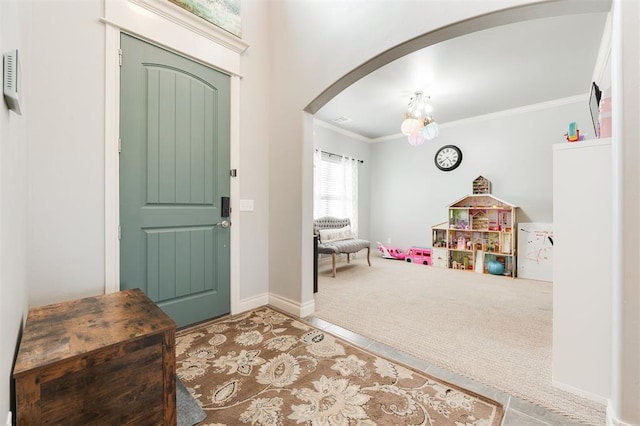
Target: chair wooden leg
x,y
368,255
333,258
348,259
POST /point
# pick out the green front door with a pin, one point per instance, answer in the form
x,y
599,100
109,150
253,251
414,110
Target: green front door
x,y
174,169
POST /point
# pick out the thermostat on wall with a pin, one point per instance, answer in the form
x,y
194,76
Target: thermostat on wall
x,y
10,80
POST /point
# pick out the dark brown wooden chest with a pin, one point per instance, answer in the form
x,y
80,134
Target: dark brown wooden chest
x,y
105,360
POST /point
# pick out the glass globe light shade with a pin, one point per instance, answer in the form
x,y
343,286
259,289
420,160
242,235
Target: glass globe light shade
x,y
430,131
409,126
416,138
420,108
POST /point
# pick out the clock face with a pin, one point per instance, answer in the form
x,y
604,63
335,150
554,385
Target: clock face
x,y
448,158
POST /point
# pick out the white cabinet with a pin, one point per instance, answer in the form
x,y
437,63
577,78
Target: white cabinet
x,y
582,214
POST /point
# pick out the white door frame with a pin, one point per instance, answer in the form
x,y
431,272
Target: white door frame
x,y
166,25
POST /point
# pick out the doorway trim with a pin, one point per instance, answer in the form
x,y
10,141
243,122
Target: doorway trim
x,y
168,26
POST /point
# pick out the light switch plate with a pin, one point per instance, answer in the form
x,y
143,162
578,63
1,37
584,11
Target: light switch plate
x,y
246,205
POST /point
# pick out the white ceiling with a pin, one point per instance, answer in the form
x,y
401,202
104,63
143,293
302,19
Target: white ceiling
x,y
484,72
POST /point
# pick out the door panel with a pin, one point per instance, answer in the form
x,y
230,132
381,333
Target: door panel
x,y
176,261
174,169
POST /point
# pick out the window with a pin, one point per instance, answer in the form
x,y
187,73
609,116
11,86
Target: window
x,y
335,187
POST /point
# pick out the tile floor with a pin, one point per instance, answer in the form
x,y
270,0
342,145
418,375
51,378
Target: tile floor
x,y
517,412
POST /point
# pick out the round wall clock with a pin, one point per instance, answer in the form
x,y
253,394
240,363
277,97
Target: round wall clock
x,y
448,158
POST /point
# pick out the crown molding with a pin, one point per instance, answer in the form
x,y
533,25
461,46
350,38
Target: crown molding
x,y
321,123
517,111
390,137
500,114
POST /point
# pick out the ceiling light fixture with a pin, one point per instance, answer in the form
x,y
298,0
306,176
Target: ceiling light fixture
x,y
418,124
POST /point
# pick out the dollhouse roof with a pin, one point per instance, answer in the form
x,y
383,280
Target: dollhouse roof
x,y
481,201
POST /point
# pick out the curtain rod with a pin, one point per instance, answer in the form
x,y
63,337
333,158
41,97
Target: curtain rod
x,y
341,156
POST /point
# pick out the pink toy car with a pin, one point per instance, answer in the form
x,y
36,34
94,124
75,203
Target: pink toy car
x,y
391,252
419,255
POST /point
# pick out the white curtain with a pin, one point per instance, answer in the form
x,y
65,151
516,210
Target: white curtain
x,y
335,187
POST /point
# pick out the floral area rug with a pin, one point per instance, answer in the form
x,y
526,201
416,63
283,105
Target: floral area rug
x,y
267,368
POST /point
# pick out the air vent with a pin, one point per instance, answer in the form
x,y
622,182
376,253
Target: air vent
x,y
342,120
10,85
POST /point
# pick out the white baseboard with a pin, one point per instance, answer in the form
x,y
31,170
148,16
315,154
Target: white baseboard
x,y
611,418
282,303
252,303
585,394
291,307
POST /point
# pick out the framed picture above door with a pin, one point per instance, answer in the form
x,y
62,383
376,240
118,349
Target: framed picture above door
x,y
223,13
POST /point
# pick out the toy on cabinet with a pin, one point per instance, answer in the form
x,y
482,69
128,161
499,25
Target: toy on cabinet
x,y
573,135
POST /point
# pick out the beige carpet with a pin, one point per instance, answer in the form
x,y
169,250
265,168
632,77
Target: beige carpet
x,y
266,368
495,330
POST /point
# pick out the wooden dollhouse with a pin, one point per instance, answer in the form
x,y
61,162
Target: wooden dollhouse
x,y
481,229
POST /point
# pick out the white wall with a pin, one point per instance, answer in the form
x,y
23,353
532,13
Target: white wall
x,y
511,149
253,172
330,140
13,198
66,151
624,408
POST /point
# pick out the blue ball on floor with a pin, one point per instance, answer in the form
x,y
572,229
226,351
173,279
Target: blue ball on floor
x,y
494,267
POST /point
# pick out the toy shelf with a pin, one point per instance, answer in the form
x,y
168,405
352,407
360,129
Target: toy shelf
x,y
480,229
